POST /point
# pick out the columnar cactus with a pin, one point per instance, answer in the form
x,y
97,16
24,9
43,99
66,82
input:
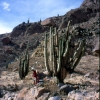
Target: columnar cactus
x,y
24,65
59,55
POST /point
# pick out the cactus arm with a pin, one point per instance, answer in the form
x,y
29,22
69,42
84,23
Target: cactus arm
x,y
67,47
62,46
78,50
27,64
77,60
21,72
53,54
20,69
50,43
67,30
46,55
59,57
56,37
24,67
77,55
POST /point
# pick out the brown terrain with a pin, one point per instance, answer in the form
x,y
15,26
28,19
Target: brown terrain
x,y
82,84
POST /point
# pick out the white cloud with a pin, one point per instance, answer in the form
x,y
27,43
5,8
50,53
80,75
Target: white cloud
x,y
6,6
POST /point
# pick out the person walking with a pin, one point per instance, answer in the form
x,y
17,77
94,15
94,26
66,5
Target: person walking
x,y
35,76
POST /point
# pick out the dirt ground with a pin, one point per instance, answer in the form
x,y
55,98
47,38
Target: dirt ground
x,y
86,74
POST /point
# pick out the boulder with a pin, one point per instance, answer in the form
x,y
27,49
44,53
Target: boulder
x,y
37,92
96,48
48,22
6,41
55,98
21,95
44,96
46,73
8,50
34,28
19,30
66,89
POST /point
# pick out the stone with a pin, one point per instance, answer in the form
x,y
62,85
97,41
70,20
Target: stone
x,y
96,48
10,98
37,92
83,95
48,22
8,50
21,95
55,98
30,95
87,75
60,84
66,89
44,96
6,41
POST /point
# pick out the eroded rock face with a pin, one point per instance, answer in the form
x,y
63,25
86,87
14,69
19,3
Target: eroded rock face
x,y
26,29
19,30
92,3
9,51
6,40
48,22
87,10
39,91
34,28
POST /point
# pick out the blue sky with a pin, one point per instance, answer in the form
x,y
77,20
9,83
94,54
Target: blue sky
x,y
14,12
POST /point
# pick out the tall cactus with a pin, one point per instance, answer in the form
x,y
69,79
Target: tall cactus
x,y
24,65
58,56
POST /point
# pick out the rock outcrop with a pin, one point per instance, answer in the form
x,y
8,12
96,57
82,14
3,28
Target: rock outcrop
x,y
6,40
20,29
48,22
26,29
87,10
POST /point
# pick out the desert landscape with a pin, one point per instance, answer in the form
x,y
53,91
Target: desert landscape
x,y
81,84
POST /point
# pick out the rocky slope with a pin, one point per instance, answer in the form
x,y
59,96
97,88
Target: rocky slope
x,y
83,84
86,18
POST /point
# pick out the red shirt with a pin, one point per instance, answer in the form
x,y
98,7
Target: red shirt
x,y
34,74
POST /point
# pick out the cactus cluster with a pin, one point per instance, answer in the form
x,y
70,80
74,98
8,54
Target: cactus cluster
x,y
59,55
24,65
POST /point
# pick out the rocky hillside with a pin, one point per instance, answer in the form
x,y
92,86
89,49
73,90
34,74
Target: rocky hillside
x,y
85,18
82,84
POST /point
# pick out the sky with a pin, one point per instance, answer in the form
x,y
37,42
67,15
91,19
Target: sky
x,y
14,12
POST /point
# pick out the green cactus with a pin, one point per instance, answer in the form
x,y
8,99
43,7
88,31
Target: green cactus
x,y
46,54
59,57
21,69
24,65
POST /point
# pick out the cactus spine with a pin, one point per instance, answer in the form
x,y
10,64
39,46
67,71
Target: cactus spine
x,y
59,57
